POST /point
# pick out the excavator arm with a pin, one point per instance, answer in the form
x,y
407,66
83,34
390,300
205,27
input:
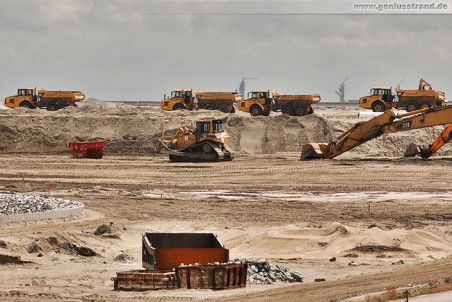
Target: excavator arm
x,y
425,152
388,122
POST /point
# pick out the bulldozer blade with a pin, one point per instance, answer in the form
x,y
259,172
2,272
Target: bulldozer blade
x,y
311,151
412,150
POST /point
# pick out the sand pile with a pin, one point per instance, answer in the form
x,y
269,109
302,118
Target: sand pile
x,y
135,130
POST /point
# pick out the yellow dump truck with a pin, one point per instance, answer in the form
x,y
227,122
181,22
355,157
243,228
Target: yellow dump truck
x,y
40,98
383,98
262,102
193,100
259,102
296,104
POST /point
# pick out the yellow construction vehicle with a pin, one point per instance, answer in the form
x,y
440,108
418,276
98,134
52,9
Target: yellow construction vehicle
x,y
259,102
207,142
193,100
388,122
425,152
295,104
40,98
383,98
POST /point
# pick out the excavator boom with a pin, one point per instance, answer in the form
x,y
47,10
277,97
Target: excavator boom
x,y
388,122
426,152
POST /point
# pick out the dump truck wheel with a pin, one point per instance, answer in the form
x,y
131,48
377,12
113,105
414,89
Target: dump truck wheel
x,y
411,107
224,108
52,107
255,110
425,106
26,105
287,110
178,107
378,107
301,111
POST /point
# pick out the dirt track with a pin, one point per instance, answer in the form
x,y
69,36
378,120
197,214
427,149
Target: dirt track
x,y
237,200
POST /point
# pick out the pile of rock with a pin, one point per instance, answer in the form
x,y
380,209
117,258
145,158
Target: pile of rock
x,y
260,271
12,204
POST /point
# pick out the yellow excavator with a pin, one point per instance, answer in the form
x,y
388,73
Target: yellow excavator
x,y
425,152
387,122
205,143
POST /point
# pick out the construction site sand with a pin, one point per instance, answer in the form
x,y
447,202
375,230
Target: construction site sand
x,y
263,204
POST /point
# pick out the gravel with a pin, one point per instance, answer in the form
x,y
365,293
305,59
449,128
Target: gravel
x,y
12,204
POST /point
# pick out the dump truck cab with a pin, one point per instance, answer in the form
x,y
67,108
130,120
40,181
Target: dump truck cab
x,y
379,99
179,99
26,97
259,102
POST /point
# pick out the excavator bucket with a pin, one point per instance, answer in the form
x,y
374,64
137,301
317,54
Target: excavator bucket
x,y
412,150
311,151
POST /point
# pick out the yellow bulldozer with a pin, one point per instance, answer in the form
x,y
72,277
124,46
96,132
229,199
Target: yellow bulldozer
x,y
205,143
388,122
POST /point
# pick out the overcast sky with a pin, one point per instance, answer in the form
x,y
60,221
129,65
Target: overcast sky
x,y
140,50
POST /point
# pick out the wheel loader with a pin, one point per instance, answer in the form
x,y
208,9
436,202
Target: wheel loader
x,y
205,143
388,122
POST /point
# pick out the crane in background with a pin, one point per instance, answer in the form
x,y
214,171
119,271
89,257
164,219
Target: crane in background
x,y
242,90
398,85
341,91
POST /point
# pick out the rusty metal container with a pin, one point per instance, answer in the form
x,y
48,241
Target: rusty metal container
x,y
144,280
212,276
165,251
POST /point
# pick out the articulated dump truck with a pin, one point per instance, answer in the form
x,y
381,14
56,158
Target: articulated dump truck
x,y
388,122
383,98
205,143
261,102
193,100
40,98
297,104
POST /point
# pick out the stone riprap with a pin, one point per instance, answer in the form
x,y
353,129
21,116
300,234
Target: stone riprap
x,y
23,208
260,271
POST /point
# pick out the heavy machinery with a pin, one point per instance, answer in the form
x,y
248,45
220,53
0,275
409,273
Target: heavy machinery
x,y
383,98
263,102
388,122
425,152
298,104
259,102
40,98
193,100
207,142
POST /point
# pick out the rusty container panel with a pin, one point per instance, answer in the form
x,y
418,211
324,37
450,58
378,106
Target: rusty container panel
x,y
168,258
219,276
183,279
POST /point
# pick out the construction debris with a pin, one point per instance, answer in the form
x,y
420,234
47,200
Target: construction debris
x,y
263,272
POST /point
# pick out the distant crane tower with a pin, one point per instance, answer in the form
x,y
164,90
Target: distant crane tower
x,y
341,91
242,90
398,85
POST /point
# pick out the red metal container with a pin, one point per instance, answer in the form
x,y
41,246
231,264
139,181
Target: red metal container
x,y
92,149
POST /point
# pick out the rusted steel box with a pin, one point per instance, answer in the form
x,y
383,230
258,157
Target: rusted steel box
x,y
221,276
144,280
165,251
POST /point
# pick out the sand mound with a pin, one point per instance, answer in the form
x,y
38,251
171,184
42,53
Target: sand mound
x,y
135,130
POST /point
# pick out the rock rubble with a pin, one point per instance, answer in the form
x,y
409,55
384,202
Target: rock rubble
x,y
12,204
260,271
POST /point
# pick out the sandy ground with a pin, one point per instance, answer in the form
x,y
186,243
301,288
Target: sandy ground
x,y
368,206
